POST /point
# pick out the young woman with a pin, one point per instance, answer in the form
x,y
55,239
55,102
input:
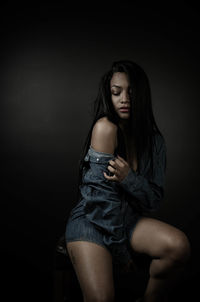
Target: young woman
x,y
121,180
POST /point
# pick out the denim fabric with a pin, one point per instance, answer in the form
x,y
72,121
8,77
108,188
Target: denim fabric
x,y
146,190
108,210
105,205
80,228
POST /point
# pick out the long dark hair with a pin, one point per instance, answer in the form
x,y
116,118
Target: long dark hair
x,y
142,125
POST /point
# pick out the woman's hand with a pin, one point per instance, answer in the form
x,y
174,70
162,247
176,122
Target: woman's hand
x,y
119,167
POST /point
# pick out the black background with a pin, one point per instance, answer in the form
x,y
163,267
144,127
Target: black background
x,y
52,57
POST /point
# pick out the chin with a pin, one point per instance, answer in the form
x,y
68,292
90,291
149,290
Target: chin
x,y
124,117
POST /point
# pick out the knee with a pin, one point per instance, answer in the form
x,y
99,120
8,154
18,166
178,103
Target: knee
x,y
179,249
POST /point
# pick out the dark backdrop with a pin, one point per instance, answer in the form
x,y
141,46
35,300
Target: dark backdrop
x,y
52,57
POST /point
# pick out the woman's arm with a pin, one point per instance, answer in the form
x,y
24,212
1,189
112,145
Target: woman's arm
x,y
148,190
103,206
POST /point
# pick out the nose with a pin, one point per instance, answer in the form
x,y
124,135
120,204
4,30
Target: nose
x,y
125,97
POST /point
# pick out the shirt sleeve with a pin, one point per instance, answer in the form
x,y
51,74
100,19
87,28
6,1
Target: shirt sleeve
x,y
148,190
103,206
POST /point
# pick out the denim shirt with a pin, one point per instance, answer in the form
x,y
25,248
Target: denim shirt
x,y
106,200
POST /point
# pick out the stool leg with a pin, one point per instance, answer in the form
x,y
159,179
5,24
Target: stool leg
x,y
67,278
59,286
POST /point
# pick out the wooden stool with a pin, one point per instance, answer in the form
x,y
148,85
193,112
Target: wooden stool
x,y
129,285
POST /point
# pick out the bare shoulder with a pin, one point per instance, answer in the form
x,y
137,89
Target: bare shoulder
x,y
104,136
105,124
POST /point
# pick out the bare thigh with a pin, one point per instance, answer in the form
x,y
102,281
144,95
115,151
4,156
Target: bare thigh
x,y
94,270
159,239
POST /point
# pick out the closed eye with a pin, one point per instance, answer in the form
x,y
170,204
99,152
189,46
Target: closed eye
x,y
130,92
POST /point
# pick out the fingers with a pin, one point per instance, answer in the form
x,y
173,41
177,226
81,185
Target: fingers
x,y
119,162
115,163
121,158
114,171
114,178
111,169
115,166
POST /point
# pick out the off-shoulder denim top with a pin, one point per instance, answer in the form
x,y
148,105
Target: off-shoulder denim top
x,y
105,200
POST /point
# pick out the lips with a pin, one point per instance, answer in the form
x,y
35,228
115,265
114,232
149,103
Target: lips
x,y
124,109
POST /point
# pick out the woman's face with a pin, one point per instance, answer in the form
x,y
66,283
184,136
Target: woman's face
x,y
120,94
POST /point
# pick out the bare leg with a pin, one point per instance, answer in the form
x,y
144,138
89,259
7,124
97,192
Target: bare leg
x,y
93,267
169,249
158,287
